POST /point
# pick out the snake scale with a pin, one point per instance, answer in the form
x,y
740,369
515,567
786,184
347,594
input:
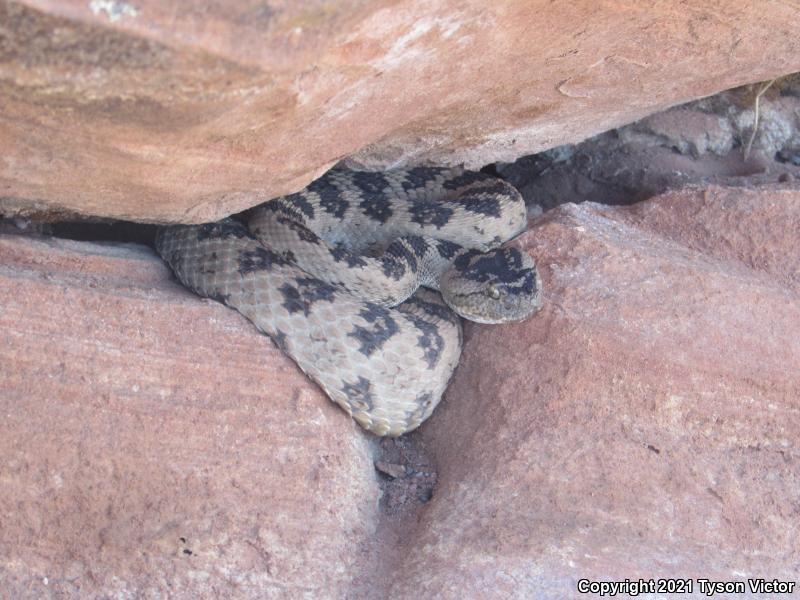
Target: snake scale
x,y
333,273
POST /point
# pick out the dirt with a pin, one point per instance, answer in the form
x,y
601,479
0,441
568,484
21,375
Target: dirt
x,y
407,476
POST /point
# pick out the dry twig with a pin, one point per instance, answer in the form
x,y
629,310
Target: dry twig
x,y
756,110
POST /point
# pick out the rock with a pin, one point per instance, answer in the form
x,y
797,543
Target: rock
x,y
685,130
725,121
147,112
393,470
645,424
707,142
153,444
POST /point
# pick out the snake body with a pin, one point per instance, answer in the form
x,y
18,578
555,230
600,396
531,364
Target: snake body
x,y
333,273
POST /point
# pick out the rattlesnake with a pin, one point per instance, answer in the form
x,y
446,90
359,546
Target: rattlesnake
x,y
331,275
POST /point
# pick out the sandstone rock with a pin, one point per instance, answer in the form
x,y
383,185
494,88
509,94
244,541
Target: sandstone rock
x,y
645,424
153,112
152,444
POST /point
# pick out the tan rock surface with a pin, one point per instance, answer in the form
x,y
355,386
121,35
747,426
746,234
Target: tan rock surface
x,y
158,112
645,424
153,445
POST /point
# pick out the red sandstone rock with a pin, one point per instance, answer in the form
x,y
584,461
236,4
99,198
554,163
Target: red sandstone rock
x,y
645,424
153,444
152,111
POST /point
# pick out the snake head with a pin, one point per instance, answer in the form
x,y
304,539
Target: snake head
x,y
499,286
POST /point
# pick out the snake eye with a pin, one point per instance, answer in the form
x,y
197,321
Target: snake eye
x,y
494,292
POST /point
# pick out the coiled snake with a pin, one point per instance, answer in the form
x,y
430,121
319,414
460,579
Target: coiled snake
x,y
332,273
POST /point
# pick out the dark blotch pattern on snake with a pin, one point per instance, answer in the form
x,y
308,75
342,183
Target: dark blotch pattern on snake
x,y
333,274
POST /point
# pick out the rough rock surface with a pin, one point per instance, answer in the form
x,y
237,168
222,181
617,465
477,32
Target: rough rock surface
x,y
149,111
710,141
644,424
153,443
